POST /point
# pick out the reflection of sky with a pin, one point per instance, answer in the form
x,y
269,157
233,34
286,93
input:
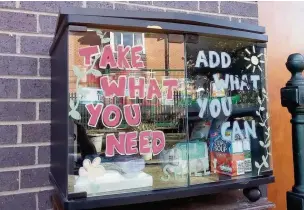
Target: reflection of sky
x,y
91,95
128,39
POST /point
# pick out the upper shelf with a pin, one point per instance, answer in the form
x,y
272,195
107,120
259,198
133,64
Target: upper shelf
x,y
238,110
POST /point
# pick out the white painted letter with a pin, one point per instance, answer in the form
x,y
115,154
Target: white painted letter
x,y
226,108
215,108
202,104
225,59
255,79
244,83
224,127
236,131
214,59
234,82
201,57
219,83
249,130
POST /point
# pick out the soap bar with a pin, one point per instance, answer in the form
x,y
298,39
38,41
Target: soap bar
x,y
112,182
123,164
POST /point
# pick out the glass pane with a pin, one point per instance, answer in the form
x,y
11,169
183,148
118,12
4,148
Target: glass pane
x,y
127,39
129,119
227,109
117,39
138,39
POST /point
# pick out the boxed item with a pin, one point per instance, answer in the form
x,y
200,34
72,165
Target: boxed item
x,y
227,157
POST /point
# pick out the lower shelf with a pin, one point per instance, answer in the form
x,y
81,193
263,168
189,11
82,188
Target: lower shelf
x,y
160,195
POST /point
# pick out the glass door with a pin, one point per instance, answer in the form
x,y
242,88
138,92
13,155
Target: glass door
x,y
228,113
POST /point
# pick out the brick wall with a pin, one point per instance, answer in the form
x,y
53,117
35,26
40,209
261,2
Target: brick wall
x,y
26,32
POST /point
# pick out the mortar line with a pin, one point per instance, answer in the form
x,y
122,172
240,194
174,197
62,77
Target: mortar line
x,y
18,87
19,179
25,122
26,190
32,34
18,45
38,67
37,110
38,26
192,12
25,100
24,168
219,7
36,155
24,77
36,199
19,134
42,144
25,55
27,11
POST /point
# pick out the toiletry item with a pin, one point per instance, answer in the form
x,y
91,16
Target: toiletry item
x,y
201,130
217,91
94,178
175,160
128,164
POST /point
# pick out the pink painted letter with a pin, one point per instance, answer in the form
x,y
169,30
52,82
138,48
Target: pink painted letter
x,y
132,119
144,142
153,89
110,110
112,88
95,113
158,142
135,57
107,57
131,143
172,84
122,61
137,88
88,52
112,143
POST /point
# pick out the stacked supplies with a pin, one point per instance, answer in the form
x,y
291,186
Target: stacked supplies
x,y
229,157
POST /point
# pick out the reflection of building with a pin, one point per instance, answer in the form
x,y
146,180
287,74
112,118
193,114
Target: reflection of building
x,y
163,57
156,47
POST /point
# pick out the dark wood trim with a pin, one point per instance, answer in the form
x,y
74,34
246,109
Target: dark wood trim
x,y
161,195
171,17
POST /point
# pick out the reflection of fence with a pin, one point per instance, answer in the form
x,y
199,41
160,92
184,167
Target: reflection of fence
x,y
163,113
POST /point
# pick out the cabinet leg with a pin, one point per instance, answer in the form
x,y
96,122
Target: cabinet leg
x,y
253,194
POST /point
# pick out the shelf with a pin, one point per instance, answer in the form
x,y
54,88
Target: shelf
x,y
164,194
237,111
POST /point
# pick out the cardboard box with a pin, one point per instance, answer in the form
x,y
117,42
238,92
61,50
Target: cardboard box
x,y
227,157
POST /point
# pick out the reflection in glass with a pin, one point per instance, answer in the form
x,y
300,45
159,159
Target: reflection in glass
x,y
138,39
221,70
197,148
95,169
117,39
127,39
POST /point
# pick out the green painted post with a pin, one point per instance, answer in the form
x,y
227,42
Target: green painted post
x,y
292,97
